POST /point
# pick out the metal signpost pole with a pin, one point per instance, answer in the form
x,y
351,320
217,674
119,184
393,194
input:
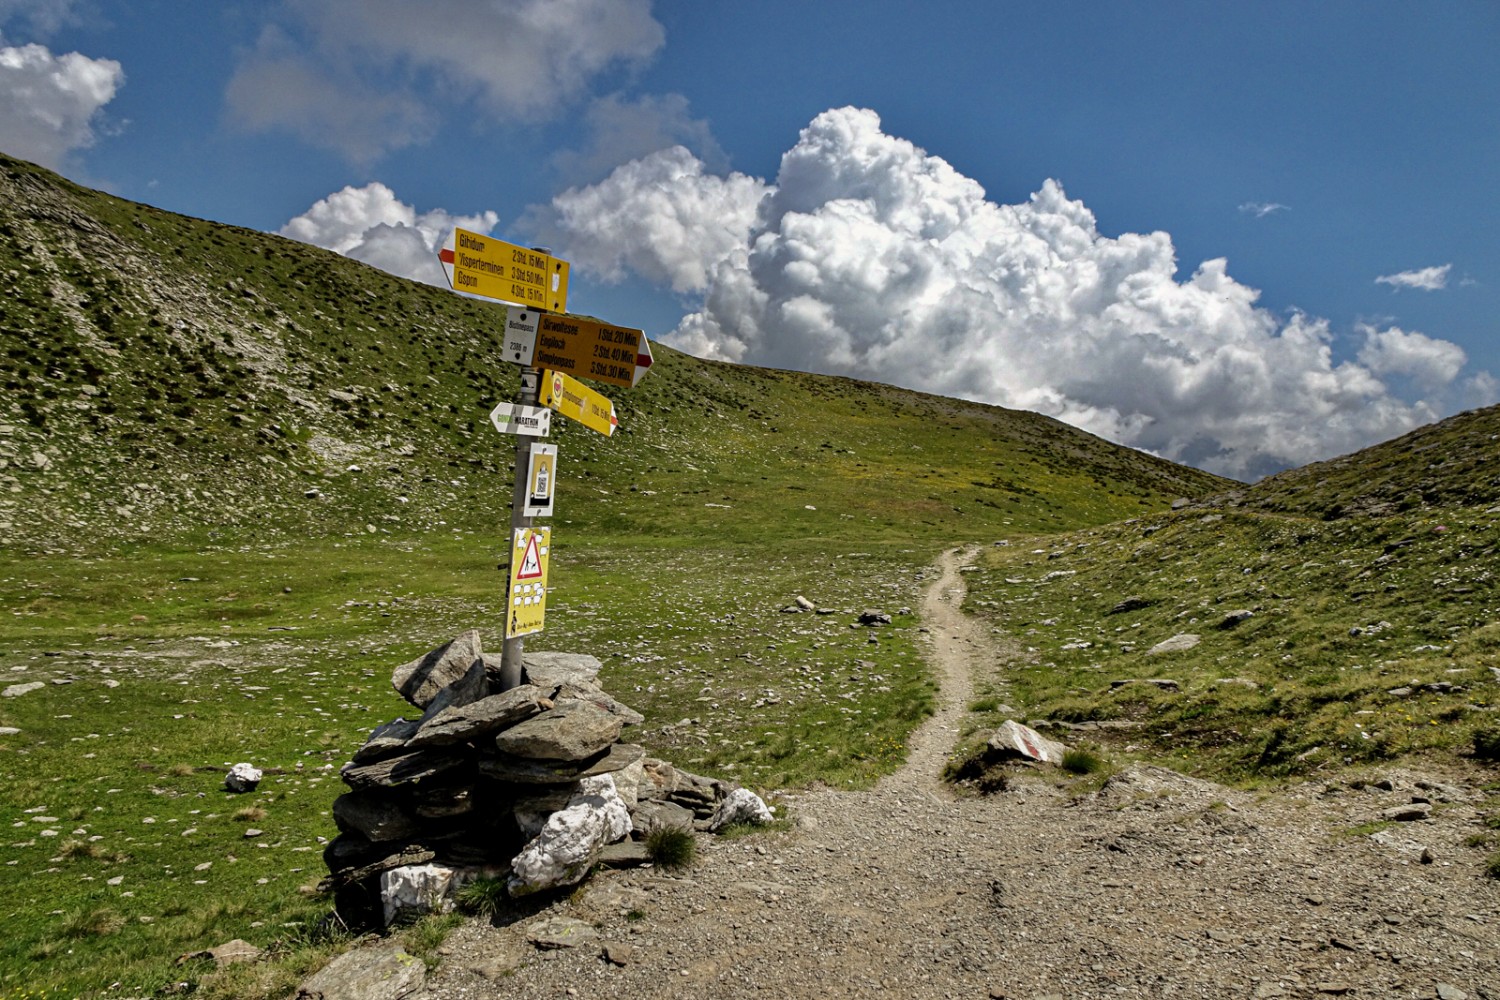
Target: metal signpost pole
x,y
510,659
531,387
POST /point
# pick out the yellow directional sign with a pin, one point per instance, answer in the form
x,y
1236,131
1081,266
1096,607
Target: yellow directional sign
x,y
586,349
528,581
483,265
577,401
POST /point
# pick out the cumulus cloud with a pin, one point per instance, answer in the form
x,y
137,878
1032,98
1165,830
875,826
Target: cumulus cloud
x,y
1428,279
1261,209
870,257
1431,363
372,225
367,76
49,104
661,216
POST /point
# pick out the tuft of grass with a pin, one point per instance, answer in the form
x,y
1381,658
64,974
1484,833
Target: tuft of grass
x,y
1492,865
671,847
96,922
1081,761
180,770
249,814
1365,829
484,897
74,850
423,938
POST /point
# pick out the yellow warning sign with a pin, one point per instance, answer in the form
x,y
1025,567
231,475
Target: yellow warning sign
x,y
528,581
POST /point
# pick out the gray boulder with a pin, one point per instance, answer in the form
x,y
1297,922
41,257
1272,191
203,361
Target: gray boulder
x,y
650,815
572,730
1177,644
552,933
373,815
420,680
380,973
1015,740
524,771
554,669
595,695
471,687
666,783
466,723
740,806
395,771
387,740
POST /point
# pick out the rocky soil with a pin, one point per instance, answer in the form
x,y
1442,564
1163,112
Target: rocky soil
x,y
1153,885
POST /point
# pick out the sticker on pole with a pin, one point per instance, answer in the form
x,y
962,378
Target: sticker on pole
x,y
541,480
528,581
513,418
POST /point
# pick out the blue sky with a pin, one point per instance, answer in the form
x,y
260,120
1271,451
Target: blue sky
x,y
1241,237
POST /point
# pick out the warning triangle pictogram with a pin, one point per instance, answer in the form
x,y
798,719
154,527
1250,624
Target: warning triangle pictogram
x,y
531,562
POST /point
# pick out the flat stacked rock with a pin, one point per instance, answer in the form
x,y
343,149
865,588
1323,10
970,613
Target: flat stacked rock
x,y
529,784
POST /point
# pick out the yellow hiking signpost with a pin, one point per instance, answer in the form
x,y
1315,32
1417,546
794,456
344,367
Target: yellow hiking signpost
x,y
483,265
577,401
584,348
533,335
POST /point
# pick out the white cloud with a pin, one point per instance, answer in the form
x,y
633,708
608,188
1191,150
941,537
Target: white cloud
x,y
1428,279
1429,362
661,216
50,104
367,76
372,225
874,259
1261,209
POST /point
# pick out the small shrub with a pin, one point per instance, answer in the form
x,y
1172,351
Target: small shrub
x,y
671,847
180,770
1492,866
250,814
483,897
1081,761
1487,743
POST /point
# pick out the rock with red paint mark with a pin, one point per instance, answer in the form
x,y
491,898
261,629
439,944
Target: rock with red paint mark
x,y
1015,740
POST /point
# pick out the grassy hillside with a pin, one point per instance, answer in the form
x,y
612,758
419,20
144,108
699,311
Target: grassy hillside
x,y
168,378
1347,613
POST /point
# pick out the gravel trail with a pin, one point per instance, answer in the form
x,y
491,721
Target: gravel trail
x,y
1156,885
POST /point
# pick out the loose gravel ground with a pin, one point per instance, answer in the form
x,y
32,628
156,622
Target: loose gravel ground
x,y
1155,885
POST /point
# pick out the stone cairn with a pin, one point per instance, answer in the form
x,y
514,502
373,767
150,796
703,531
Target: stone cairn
x,y
530,785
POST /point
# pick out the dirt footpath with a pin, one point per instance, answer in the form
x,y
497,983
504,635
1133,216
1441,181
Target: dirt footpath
x,y
1156,886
